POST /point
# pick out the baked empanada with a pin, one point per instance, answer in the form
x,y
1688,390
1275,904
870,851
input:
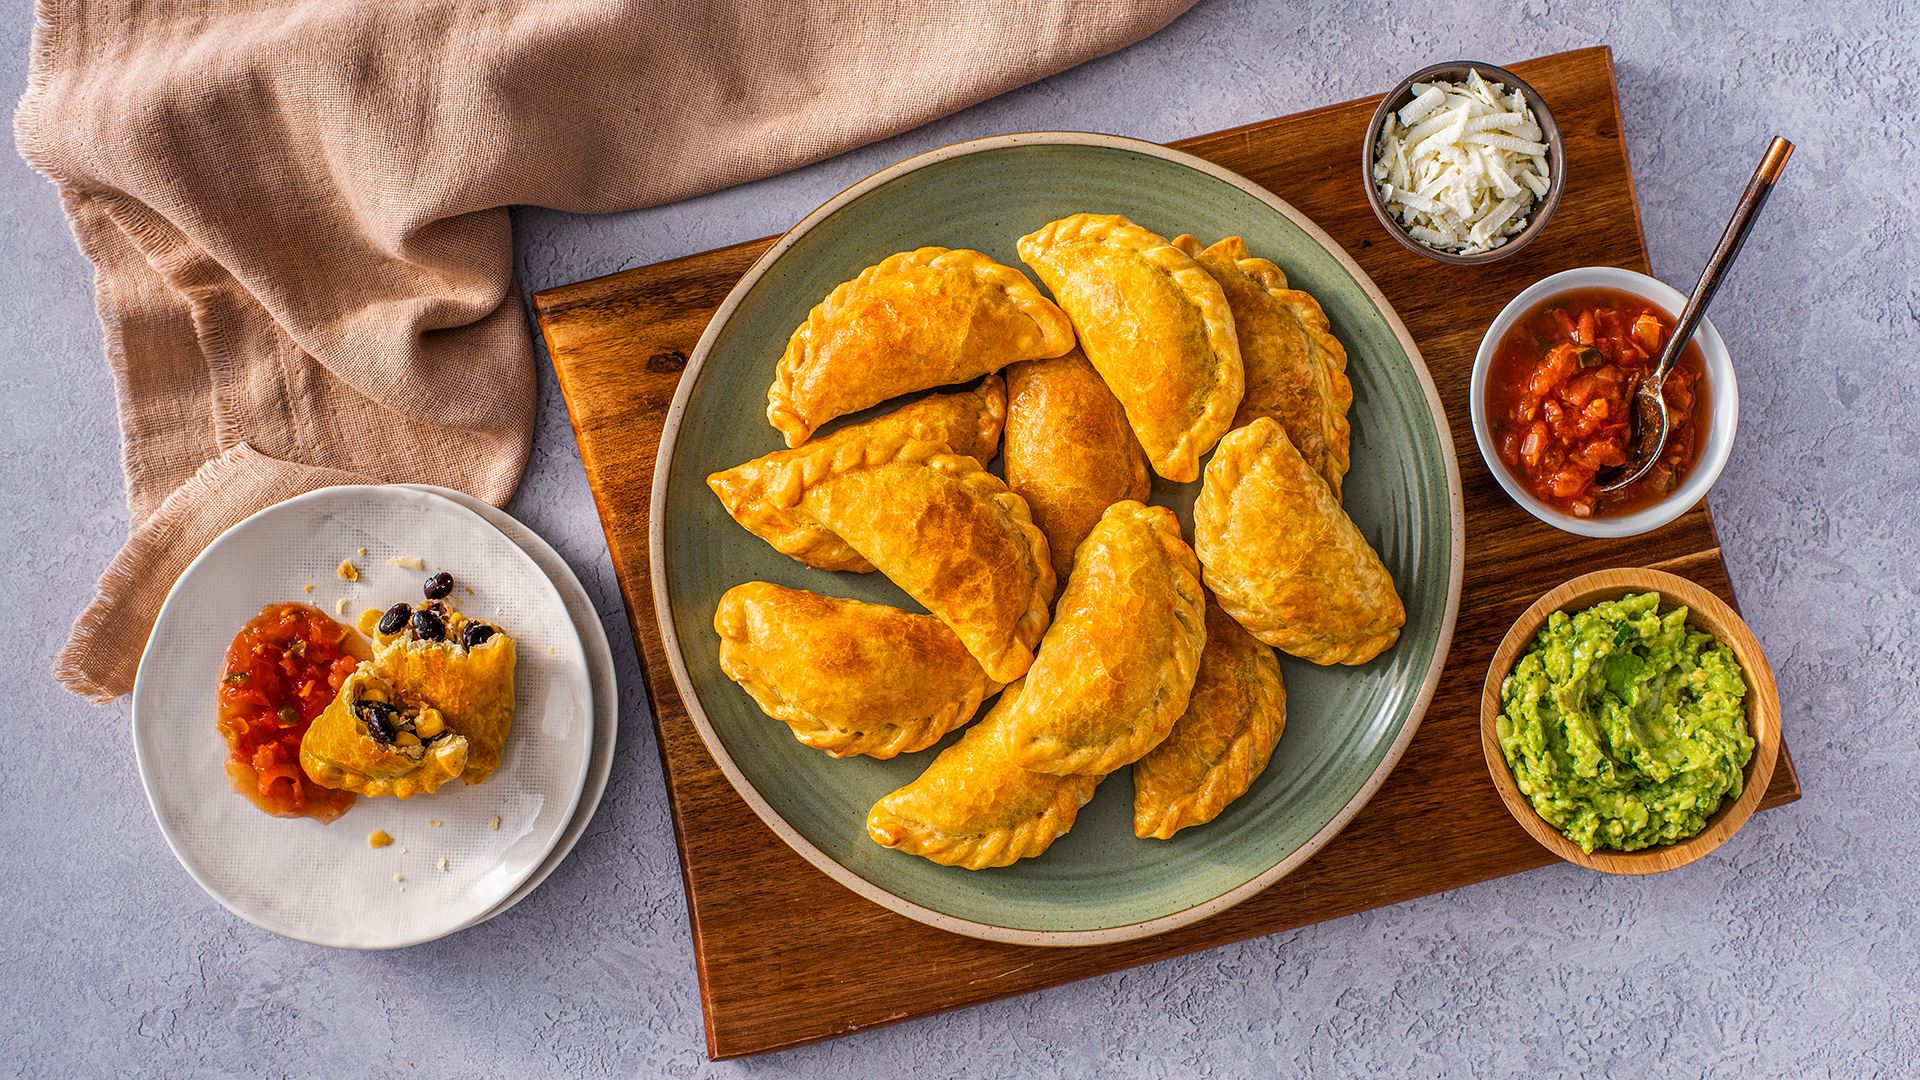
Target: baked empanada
x,y
1069,451
939,525
1282,557
1156,326
1221,744
1296,370
1116,666
376,740
915,320
848,677
968,423
974,808
466,673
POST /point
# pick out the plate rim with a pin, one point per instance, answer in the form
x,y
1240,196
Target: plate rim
x,y
146,780
656,553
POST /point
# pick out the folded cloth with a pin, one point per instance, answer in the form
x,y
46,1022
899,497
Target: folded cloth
x,y
297,210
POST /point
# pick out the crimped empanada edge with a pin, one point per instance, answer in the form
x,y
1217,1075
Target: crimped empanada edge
x,y
1180,462
816,465
981,851
786,414
1226,779
1334,389
1209,512
400,787
1186,565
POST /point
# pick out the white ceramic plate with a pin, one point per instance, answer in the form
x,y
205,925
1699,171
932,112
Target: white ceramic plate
x,y
323,883
606,690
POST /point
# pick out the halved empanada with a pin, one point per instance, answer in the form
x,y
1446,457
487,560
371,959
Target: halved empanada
x,y
1069,450
974,808
1296,370
1282,557
466,673
1156,326
1220,746
968,423
848,677
1116,666
915,320
375,740
939,525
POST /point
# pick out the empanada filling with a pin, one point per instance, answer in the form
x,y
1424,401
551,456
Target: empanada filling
x,y
388,719
434,623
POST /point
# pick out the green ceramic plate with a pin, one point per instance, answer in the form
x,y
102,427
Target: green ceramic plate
x,y
1346,727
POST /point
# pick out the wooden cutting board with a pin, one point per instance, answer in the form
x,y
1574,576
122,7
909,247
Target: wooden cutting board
x,y
787,956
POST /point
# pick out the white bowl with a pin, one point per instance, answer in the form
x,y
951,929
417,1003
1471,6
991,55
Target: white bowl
x,y
1723,393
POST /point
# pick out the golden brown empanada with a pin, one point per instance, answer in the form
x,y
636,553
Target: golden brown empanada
x,y
466,673
968,423
376,740
1156,326
1296,370
974,808
1220,746
1116,666
1282,557
915,320
1069,452
848,677
941,526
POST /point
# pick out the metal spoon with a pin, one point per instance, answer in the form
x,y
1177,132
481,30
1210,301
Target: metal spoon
x,y
1651,422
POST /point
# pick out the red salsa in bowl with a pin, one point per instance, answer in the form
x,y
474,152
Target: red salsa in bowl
x,y
1559,400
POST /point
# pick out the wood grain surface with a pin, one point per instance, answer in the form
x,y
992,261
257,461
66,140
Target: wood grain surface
x,y
1705,611
787,956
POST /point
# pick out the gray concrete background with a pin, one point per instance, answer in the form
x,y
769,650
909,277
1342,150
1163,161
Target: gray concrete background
x,y
1792,952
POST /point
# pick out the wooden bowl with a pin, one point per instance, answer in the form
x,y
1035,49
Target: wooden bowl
x,y
1705,611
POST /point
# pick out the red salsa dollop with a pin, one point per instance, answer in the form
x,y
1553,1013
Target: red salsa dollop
x,y
282,671
1560,399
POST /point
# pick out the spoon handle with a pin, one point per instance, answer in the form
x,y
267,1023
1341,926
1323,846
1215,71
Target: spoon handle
x,y
1744,214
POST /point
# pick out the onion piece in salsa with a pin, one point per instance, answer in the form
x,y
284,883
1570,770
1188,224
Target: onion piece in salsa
x,y
282,670
1560,399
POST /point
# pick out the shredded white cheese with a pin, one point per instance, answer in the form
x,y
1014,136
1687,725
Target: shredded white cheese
x,y
1462,165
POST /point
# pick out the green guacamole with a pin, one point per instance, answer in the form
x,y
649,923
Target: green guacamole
x,y
1623,727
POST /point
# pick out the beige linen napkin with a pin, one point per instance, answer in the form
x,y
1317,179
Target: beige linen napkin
x,y
296,210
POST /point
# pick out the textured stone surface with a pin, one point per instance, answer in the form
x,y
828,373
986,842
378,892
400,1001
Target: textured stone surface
x,y
1793,952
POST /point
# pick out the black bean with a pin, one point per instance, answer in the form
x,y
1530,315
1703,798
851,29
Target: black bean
x,y
438,585
429,627
382,719
475,633
395,620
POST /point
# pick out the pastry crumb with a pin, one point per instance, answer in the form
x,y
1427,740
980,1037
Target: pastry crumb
x,y
347,571
363,553
495,823
379,838
307,588
399,877
442,864
434,822
340,606
407,562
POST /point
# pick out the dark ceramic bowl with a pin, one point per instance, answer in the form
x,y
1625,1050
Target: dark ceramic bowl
x,y
1454,71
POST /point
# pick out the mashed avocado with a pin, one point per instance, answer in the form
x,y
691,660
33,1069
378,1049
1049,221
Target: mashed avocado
x,y
1623,727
